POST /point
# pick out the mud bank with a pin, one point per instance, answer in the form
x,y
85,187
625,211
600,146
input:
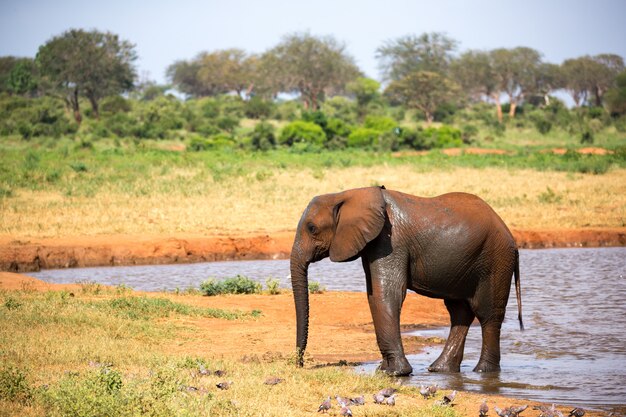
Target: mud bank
x,y
34,254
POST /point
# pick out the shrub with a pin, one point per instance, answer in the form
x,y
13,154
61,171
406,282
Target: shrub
x,y
469,133
380,123
263,137
237,285
443,137
273,285
227,123
257,108
14,385
543,126
114,104
287,110
302,132
316,288
362,137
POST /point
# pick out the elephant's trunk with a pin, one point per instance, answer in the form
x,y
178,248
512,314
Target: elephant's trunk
x,y
299,266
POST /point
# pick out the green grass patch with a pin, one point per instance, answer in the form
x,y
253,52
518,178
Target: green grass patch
x,y
148,308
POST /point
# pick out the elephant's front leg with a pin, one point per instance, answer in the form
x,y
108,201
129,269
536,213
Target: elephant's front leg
x,y
461,317
385,293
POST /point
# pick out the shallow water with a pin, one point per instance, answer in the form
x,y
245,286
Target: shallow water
x,y
573,350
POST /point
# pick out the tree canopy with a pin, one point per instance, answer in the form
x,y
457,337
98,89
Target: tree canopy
x,y
92,64
314,67
427,52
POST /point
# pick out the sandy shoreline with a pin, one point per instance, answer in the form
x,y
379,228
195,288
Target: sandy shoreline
x,y
19,254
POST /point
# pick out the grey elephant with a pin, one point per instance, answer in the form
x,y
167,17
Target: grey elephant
x,y
453,247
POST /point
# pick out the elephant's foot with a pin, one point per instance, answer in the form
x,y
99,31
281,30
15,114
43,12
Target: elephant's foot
x,y
398,366
485,366
441,365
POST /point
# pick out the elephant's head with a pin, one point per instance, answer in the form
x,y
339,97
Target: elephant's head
x,y
336,225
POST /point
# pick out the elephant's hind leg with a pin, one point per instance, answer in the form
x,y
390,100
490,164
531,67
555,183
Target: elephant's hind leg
x,y
461,317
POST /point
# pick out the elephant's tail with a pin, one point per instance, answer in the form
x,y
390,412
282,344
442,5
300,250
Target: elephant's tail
x,y
518,290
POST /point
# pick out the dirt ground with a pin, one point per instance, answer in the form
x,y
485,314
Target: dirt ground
x,y
341,329
33,254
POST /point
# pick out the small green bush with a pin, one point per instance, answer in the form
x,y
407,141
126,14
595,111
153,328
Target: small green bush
x,y
14,385
263,137
237,285
380,123
302,132
273,285
316,288
114,104
363,137
443,137
257,108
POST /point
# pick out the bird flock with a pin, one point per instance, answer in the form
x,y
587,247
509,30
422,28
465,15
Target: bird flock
x,y
387,396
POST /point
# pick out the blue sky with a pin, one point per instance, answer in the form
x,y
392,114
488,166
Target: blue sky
x,y
165,31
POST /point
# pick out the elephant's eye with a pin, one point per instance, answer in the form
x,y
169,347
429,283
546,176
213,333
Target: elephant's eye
x,y
312,228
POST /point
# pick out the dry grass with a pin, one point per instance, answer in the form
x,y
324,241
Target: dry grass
x,y
273,201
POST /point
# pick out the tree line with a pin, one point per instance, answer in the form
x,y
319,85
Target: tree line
x,y
422,72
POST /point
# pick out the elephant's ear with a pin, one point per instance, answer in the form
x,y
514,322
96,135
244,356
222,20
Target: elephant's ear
x,y
359,217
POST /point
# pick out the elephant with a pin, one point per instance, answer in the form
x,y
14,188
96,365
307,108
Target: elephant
x,y
452,247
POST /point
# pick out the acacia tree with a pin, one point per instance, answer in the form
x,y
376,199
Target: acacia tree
x,y
93,64
312,66
423,90
213,73
474,74
578,73
408,54
516,71
609,66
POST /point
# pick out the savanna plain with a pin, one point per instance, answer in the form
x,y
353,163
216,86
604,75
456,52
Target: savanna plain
x,y
87,349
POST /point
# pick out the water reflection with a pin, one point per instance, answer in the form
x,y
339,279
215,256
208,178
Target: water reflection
x,y
573,350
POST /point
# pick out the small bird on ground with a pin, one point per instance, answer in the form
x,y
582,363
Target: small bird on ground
x,y
379,399
424,391
391,400
515,411
447,399
577,412
548,411
325,406
387,392
224,385
502,413
345,411
219,372
203,371
357,400
433,390
344,402
484,409
273,380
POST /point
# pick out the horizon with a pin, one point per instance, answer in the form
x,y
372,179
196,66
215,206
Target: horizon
x,y
208,26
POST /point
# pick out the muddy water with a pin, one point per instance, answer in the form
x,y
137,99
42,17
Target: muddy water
x,y
573,350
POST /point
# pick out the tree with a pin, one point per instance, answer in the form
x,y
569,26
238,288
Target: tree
x,y
423,90
578,73
516,71
474,74
227,70
365,90
428,52
22,78
92,64
608,68
314,67
616,97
